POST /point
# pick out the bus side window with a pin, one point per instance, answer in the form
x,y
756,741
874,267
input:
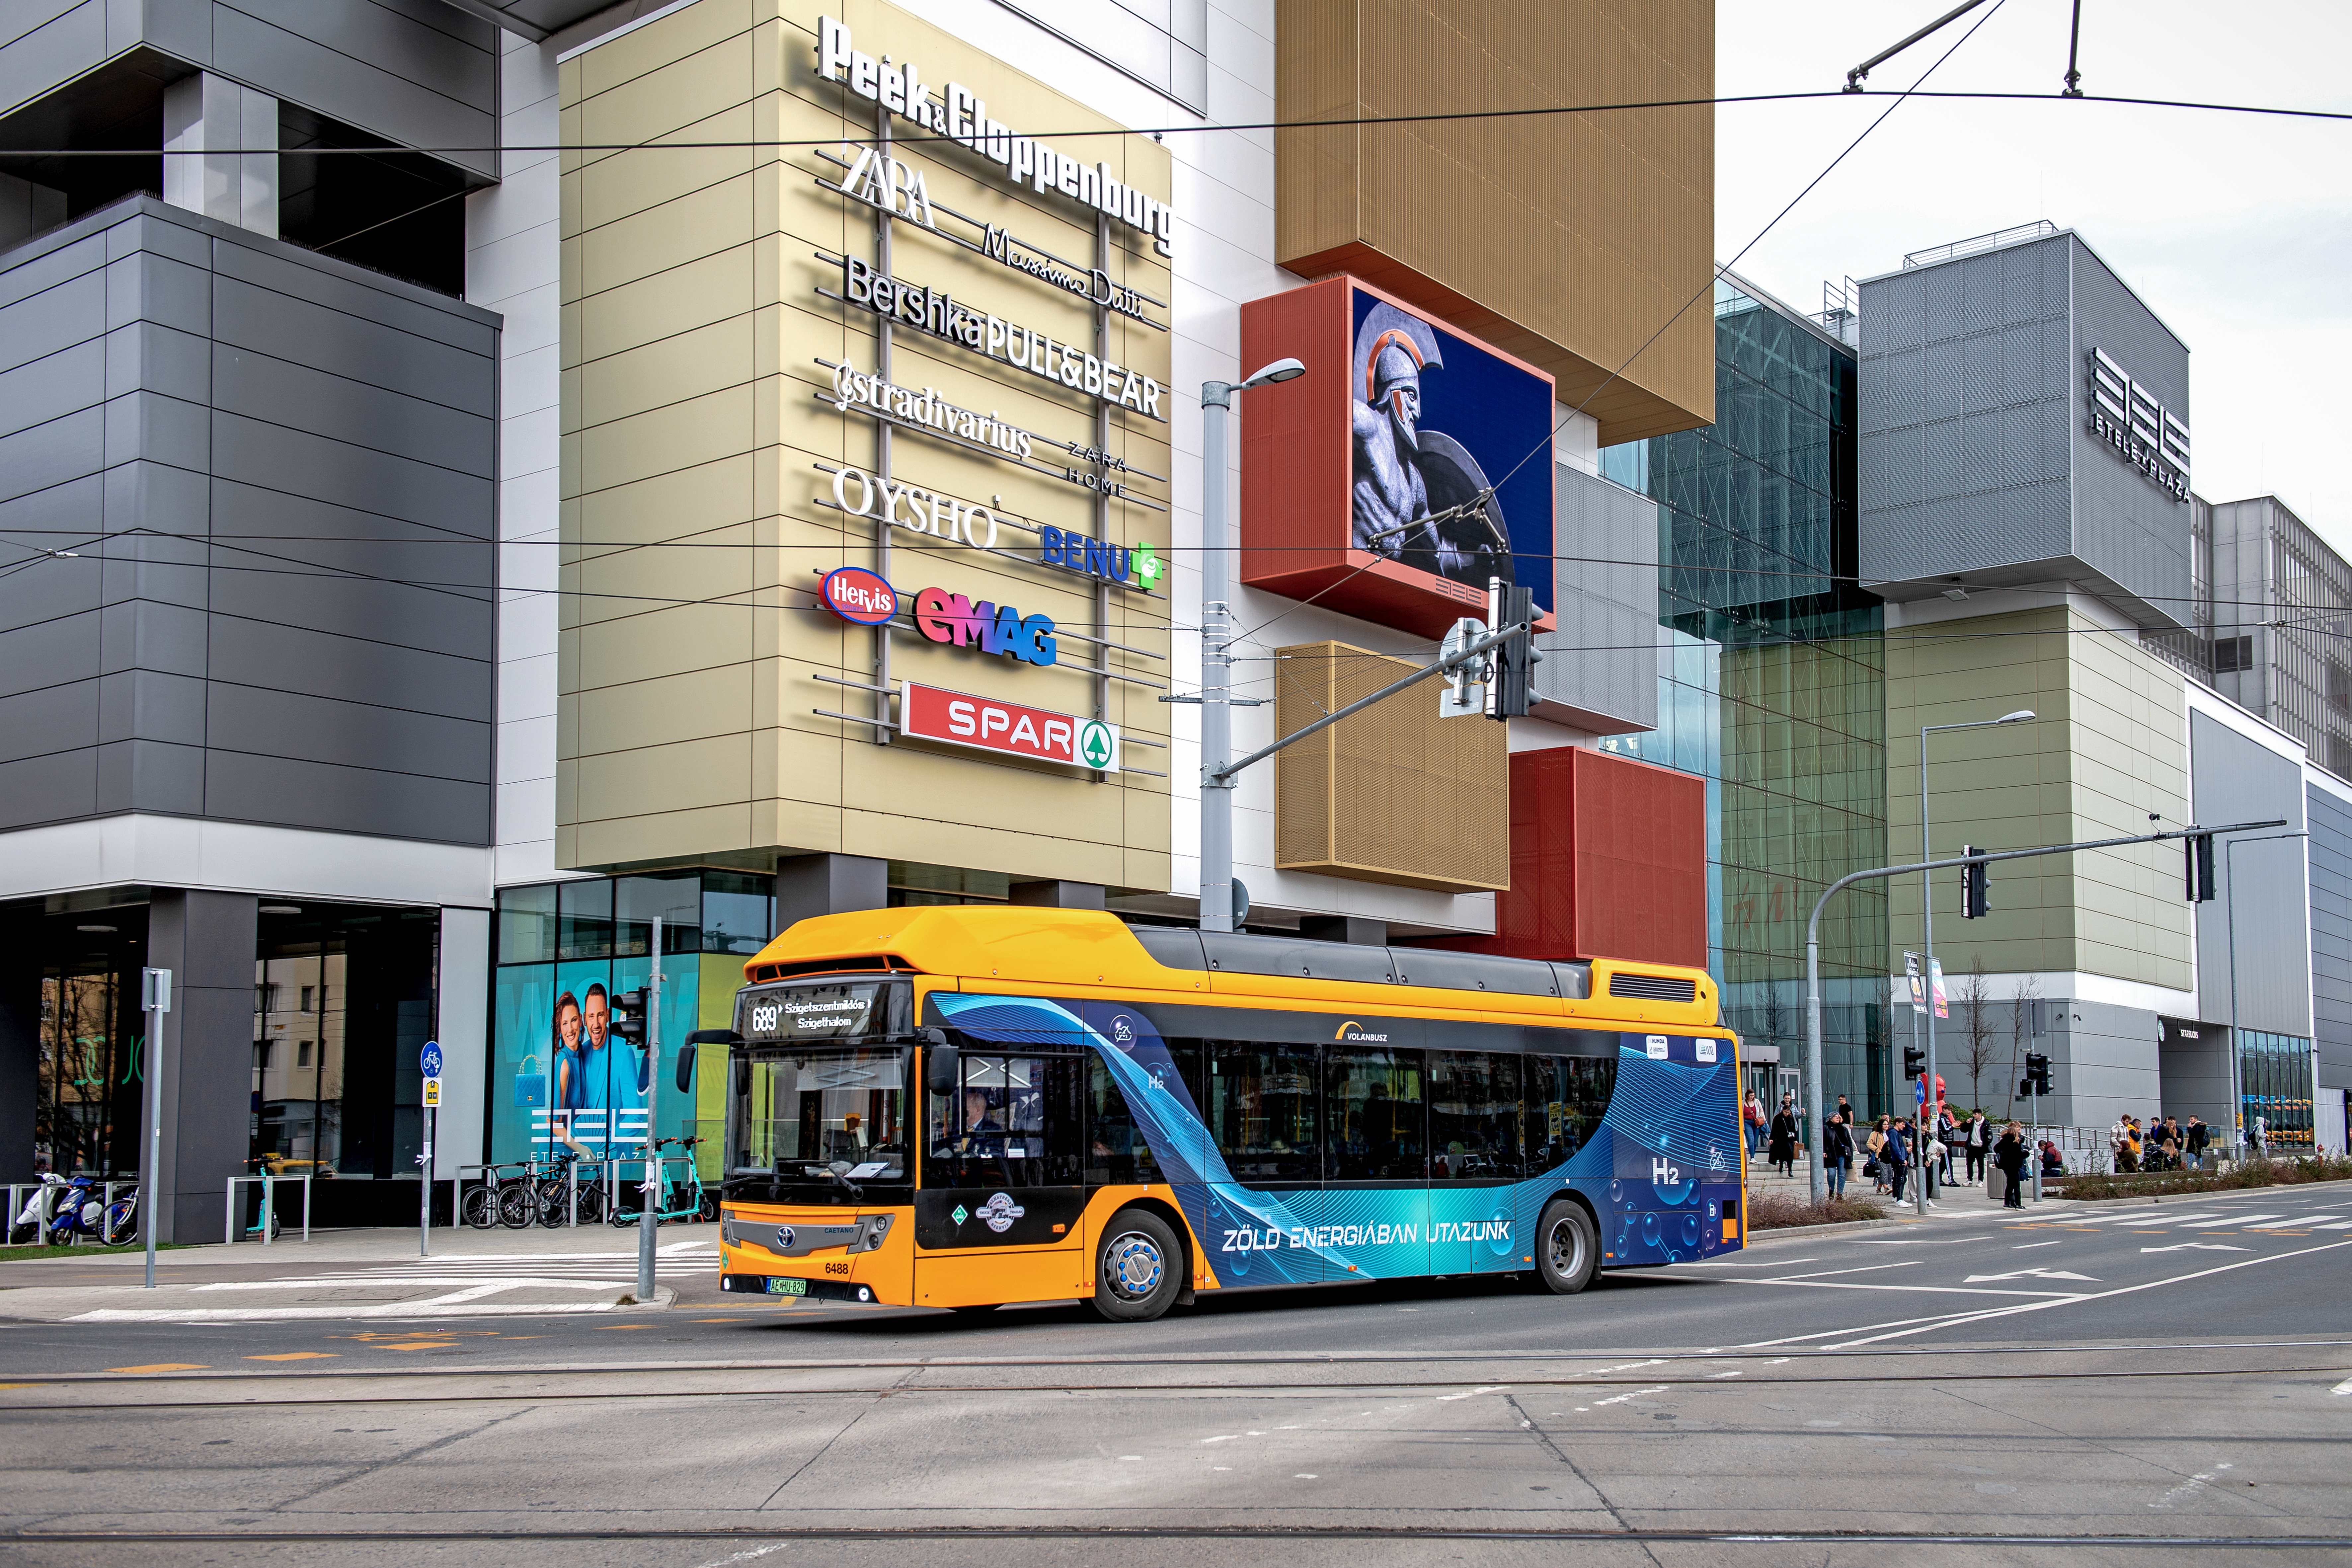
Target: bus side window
x,y
1473,1116
1117,1153
1374,1125
1565,1098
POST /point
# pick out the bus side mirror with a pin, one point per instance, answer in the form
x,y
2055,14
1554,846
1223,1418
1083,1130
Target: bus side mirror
x,y
705,1038
685,1069
942,1070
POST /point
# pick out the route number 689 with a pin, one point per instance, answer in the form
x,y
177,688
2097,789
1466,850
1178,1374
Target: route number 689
x,y
765,1017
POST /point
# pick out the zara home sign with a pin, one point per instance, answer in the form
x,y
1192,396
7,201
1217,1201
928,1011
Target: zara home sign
x,y
959,116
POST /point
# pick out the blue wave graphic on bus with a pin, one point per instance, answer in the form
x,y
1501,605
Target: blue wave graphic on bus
x,y
1657,1171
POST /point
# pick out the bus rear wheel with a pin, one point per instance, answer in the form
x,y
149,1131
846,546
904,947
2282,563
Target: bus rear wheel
x,y
1568,1253
1138,1268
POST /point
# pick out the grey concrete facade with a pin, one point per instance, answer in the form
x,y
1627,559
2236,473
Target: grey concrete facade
x,y
1599,668
416,73
1978,466
207,939
2330,817
2233,779
281,471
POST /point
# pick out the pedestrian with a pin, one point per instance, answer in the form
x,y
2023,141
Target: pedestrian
x,y
2199,1136
1896,1156
1837,1153
1783,1151
1751,1116
1874,1148
2010,1156
2126,1147
1980,1130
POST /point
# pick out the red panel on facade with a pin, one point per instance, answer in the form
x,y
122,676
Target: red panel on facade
x,y
1297,471
1608,860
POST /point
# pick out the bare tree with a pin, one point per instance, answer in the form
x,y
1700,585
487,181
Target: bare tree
x,y
1979,1039
2022,998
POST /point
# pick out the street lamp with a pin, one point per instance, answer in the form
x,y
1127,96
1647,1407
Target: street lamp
x,y
1927,915
1216,654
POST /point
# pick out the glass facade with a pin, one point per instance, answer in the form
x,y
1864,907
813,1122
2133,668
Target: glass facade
x,y
2274,1085
560,1075
1771,684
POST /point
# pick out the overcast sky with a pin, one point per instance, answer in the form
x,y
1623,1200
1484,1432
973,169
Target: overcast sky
x,y
2235,229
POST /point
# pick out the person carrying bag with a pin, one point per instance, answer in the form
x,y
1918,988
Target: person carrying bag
x,y
2009,1154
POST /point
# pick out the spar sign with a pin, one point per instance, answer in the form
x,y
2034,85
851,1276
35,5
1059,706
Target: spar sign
x,y
1008,729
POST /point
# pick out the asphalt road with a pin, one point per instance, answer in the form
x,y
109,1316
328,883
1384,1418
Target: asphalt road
x,y
2176,1374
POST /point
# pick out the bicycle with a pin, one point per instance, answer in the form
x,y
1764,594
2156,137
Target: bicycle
x,y
121,1225
552,1191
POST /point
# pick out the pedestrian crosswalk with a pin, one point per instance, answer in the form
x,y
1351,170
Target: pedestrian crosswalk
x,y
2201,1216
509,1270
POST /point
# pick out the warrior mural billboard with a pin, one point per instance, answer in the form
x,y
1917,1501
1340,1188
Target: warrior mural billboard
x,y
1410,466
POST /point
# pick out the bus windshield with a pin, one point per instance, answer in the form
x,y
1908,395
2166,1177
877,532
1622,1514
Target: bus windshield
x,y
817,1124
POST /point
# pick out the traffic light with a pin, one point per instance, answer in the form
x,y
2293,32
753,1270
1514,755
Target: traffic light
x,y
2199,848
1976,895
1914,1062
629,1016
1510,691
2037,1072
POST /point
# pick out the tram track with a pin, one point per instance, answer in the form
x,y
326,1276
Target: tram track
x,y
1112,1534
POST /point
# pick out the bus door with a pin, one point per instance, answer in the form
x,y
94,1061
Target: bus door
x,y
997,1215
1261,1103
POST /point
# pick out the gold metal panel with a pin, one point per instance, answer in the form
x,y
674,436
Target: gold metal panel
x,y
1566,239
696,518
1394,794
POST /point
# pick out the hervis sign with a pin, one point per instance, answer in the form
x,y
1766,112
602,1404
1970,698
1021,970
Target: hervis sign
x,y
1008,729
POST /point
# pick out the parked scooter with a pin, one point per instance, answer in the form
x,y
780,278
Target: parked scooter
x,y
28,1226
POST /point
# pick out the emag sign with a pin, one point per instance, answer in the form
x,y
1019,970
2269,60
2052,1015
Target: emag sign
x,y
962,118
865,598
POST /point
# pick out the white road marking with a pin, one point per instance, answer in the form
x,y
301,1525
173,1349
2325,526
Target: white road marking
x,y
2278,1224
2198,1246
2226,1219
1865,1268
2342,1387
1637,1393
1472,1393
2337,1224
2031,1244
2033,1274
1933,1324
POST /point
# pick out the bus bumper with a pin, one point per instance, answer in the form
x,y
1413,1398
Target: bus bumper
x,y
785,1288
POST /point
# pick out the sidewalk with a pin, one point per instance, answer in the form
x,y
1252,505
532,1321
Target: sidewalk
x,y
1958,1198
362,1274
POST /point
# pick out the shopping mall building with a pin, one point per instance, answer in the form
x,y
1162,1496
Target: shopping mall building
x,y
721,462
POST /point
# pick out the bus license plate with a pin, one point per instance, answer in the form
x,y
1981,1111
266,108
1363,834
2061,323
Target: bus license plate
x,y
787,1287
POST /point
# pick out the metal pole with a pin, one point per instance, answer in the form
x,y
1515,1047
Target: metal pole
x,y
648,1214
1813,1054
1927,962
1216,661
156,985
425,1205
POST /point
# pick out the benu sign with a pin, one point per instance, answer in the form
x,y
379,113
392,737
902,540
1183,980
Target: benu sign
x,y
1009,729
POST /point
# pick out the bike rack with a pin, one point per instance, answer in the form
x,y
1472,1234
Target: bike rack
x,y
16,1202
268,1207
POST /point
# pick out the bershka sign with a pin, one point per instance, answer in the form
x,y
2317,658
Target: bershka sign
x,y
1008,729
959,116
932,310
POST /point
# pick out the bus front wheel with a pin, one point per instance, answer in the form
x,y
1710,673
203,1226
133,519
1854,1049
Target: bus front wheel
x,y
1138,1268
1568,1253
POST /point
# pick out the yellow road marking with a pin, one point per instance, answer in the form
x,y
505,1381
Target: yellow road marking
x,y
165,1366
19,1385
296,1355
419,1345
622,1328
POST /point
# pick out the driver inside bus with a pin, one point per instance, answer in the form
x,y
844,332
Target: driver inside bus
x,y
982,1133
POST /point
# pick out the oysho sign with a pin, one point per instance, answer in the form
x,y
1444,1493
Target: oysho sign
x,y
1009,729
959,116
931,512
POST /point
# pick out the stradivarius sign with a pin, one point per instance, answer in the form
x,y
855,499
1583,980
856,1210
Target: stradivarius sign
x,y
962,118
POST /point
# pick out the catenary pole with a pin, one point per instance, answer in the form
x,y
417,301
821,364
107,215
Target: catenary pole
x,y
1813,930
155,988
1216,645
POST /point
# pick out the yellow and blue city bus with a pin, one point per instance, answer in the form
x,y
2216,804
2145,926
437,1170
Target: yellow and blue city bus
x,y
964,1106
